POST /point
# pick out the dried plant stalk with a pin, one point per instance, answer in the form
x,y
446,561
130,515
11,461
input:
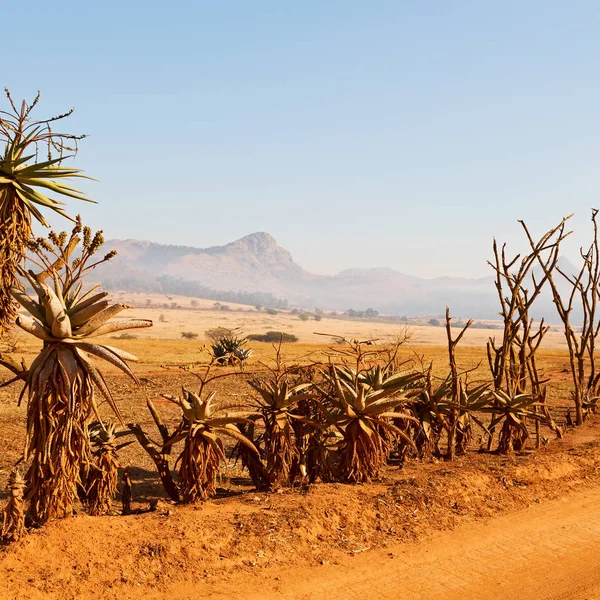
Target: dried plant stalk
x,y
585,292
126,493
459,433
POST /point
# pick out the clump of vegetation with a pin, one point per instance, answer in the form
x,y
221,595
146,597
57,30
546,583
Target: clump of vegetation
x,y
189,335
360,411
125,336
231,350
512,412
370,313
274,337
359,402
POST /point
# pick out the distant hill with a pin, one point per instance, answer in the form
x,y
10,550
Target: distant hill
x,y
257,265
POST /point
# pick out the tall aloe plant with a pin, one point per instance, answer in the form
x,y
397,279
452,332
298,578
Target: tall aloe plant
x,y
361,413
61,380
203,450
28,184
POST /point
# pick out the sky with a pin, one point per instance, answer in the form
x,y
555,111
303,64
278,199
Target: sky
x,y
390,133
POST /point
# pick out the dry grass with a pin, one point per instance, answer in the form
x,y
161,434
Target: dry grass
x,y
203,317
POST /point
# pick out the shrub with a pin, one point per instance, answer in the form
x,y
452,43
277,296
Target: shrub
x,y
272,311
273,336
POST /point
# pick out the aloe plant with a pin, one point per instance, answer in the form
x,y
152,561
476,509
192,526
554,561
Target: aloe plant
x,y
29,184
512,411
437,415
276,402
103,471
61,380
361,414
13,521
230,350
203,451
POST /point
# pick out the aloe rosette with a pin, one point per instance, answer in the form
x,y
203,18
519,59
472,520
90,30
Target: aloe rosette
x,y
29,184
203,451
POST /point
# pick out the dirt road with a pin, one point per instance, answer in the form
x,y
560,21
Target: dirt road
x,y
550,551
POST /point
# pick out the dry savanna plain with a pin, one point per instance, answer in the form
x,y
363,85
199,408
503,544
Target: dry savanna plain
x,y
525,525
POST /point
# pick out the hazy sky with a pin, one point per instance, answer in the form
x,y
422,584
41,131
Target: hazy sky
x,y
382,133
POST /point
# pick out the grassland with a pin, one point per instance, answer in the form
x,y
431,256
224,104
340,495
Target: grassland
x,y
203,316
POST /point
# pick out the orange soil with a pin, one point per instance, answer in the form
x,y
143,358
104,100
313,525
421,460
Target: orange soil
x,y
378,541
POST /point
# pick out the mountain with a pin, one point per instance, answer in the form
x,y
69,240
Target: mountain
x,y
257,264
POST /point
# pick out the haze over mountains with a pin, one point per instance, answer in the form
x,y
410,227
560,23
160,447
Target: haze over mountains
x,y
256,263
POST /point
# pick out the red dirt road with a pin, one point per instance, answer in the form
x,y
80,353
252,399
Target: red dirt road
x,y
550,551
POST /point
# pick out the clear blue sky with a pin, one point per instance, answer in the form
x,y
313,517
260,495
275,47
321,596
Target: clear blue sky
x,y
383,133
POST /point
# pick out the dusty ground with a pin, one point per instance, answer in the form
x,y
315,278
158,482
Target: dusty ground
x,y
482,525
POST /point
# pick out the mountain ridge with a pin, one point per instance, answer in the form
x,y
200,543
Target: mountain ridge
x,y
255,263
